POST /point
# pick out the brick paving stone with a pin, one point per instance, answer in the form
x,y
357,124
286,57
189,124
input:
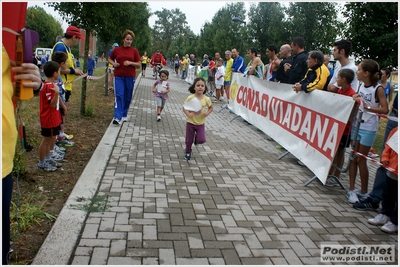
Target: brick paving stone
x,y
235,202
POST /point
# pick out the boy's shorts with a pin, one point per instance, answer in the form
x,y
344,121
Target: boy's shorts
x,y
365,137
227,82
67,95
49,132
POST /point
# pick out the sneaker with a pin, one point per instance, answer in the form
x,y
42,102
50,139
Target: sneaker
x,y
389,228
331,182
124,119
54,163
116,122
46,167
379,219
215,100
221,98
57,156
352,196
373,154
158,118
366,205
281,147
64,142
60,149
69,136
187,156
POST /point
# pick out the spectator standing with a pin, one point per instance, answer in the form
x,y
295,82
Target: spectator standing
x,y
30,77
50,116
185,63
387,87
344,79
239,65
331,71
161,88
388,217
91,65
110,69
125,60
219,79
298,68
286,56
274,63
256,66
193,60
317,74
372,98
341,52
228,72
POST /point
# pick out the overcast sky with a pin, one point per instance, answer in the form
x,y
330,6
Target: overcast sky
x,y
197,13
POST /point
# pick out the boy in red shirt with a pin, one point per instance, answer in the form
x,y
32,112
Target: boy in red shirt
x,y
50,116
345,77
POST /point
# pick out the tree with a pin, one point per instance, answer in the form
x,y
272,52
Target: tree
x,y
373,31
45,24
109,20
267,26
316,22
168,27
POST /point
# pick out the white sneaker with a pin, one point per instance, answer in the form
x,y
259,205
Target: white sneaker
x,y
221,98
116,122
379,219
352,196
389,228
124,119
158,118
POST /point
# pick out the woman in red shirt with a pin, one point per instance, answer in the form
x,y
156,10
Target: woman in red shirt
x,y
125,60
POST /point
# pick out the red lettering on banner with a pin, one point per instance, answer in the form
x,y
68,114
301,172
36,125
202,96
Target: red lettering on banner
x,y
318,130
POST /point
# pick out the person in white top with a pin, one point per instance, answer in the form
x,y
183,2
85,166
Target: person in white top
x,y
341,52
371,97
219,78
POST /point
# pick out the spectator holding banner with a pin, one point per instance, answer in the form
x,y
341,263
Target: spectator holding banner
x,y
371,98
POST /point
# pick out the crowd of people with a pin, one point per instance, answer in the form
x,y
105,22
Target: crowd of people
x,y
366,83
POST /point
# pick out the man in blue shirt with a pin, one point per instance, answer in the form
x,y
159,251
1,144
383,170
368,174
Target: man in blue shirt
x,y
239,65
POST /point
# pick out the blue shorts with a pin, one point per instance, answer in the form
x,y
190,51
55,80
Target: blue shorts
x,y
365,137
227,83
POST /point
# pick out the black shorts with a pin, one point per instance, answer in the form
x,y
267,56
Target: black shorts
x,y
176,66
210,79
49,132
67,95
144,65
344,141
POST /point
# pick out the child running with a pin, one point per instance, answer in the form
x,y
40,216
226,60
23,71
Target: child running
x,y
196,118
161,90
373,100
50,116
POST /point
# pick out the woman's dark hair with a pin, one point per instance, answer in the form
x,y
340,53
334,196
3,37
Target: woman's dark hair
x,y
191,88
372,67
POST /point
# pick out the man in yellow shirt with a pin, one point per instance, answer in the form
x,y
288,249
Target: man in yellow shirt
x,y
228,72
184,66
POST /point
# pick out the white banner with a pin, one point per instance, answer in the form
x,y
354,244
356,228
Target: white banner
x,y
190,74
308,125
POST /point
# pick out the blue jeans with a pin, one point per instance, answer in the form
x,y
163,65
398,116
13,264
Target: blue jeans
x,y
183,74
379,187
7,186
390,125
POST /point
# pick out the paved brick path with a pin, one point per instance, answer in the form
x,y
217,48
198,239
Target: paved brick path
x,y
233,203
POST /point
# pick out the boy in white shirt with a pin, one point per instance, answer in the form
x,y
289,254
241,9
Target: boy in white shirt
x,y
219,79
